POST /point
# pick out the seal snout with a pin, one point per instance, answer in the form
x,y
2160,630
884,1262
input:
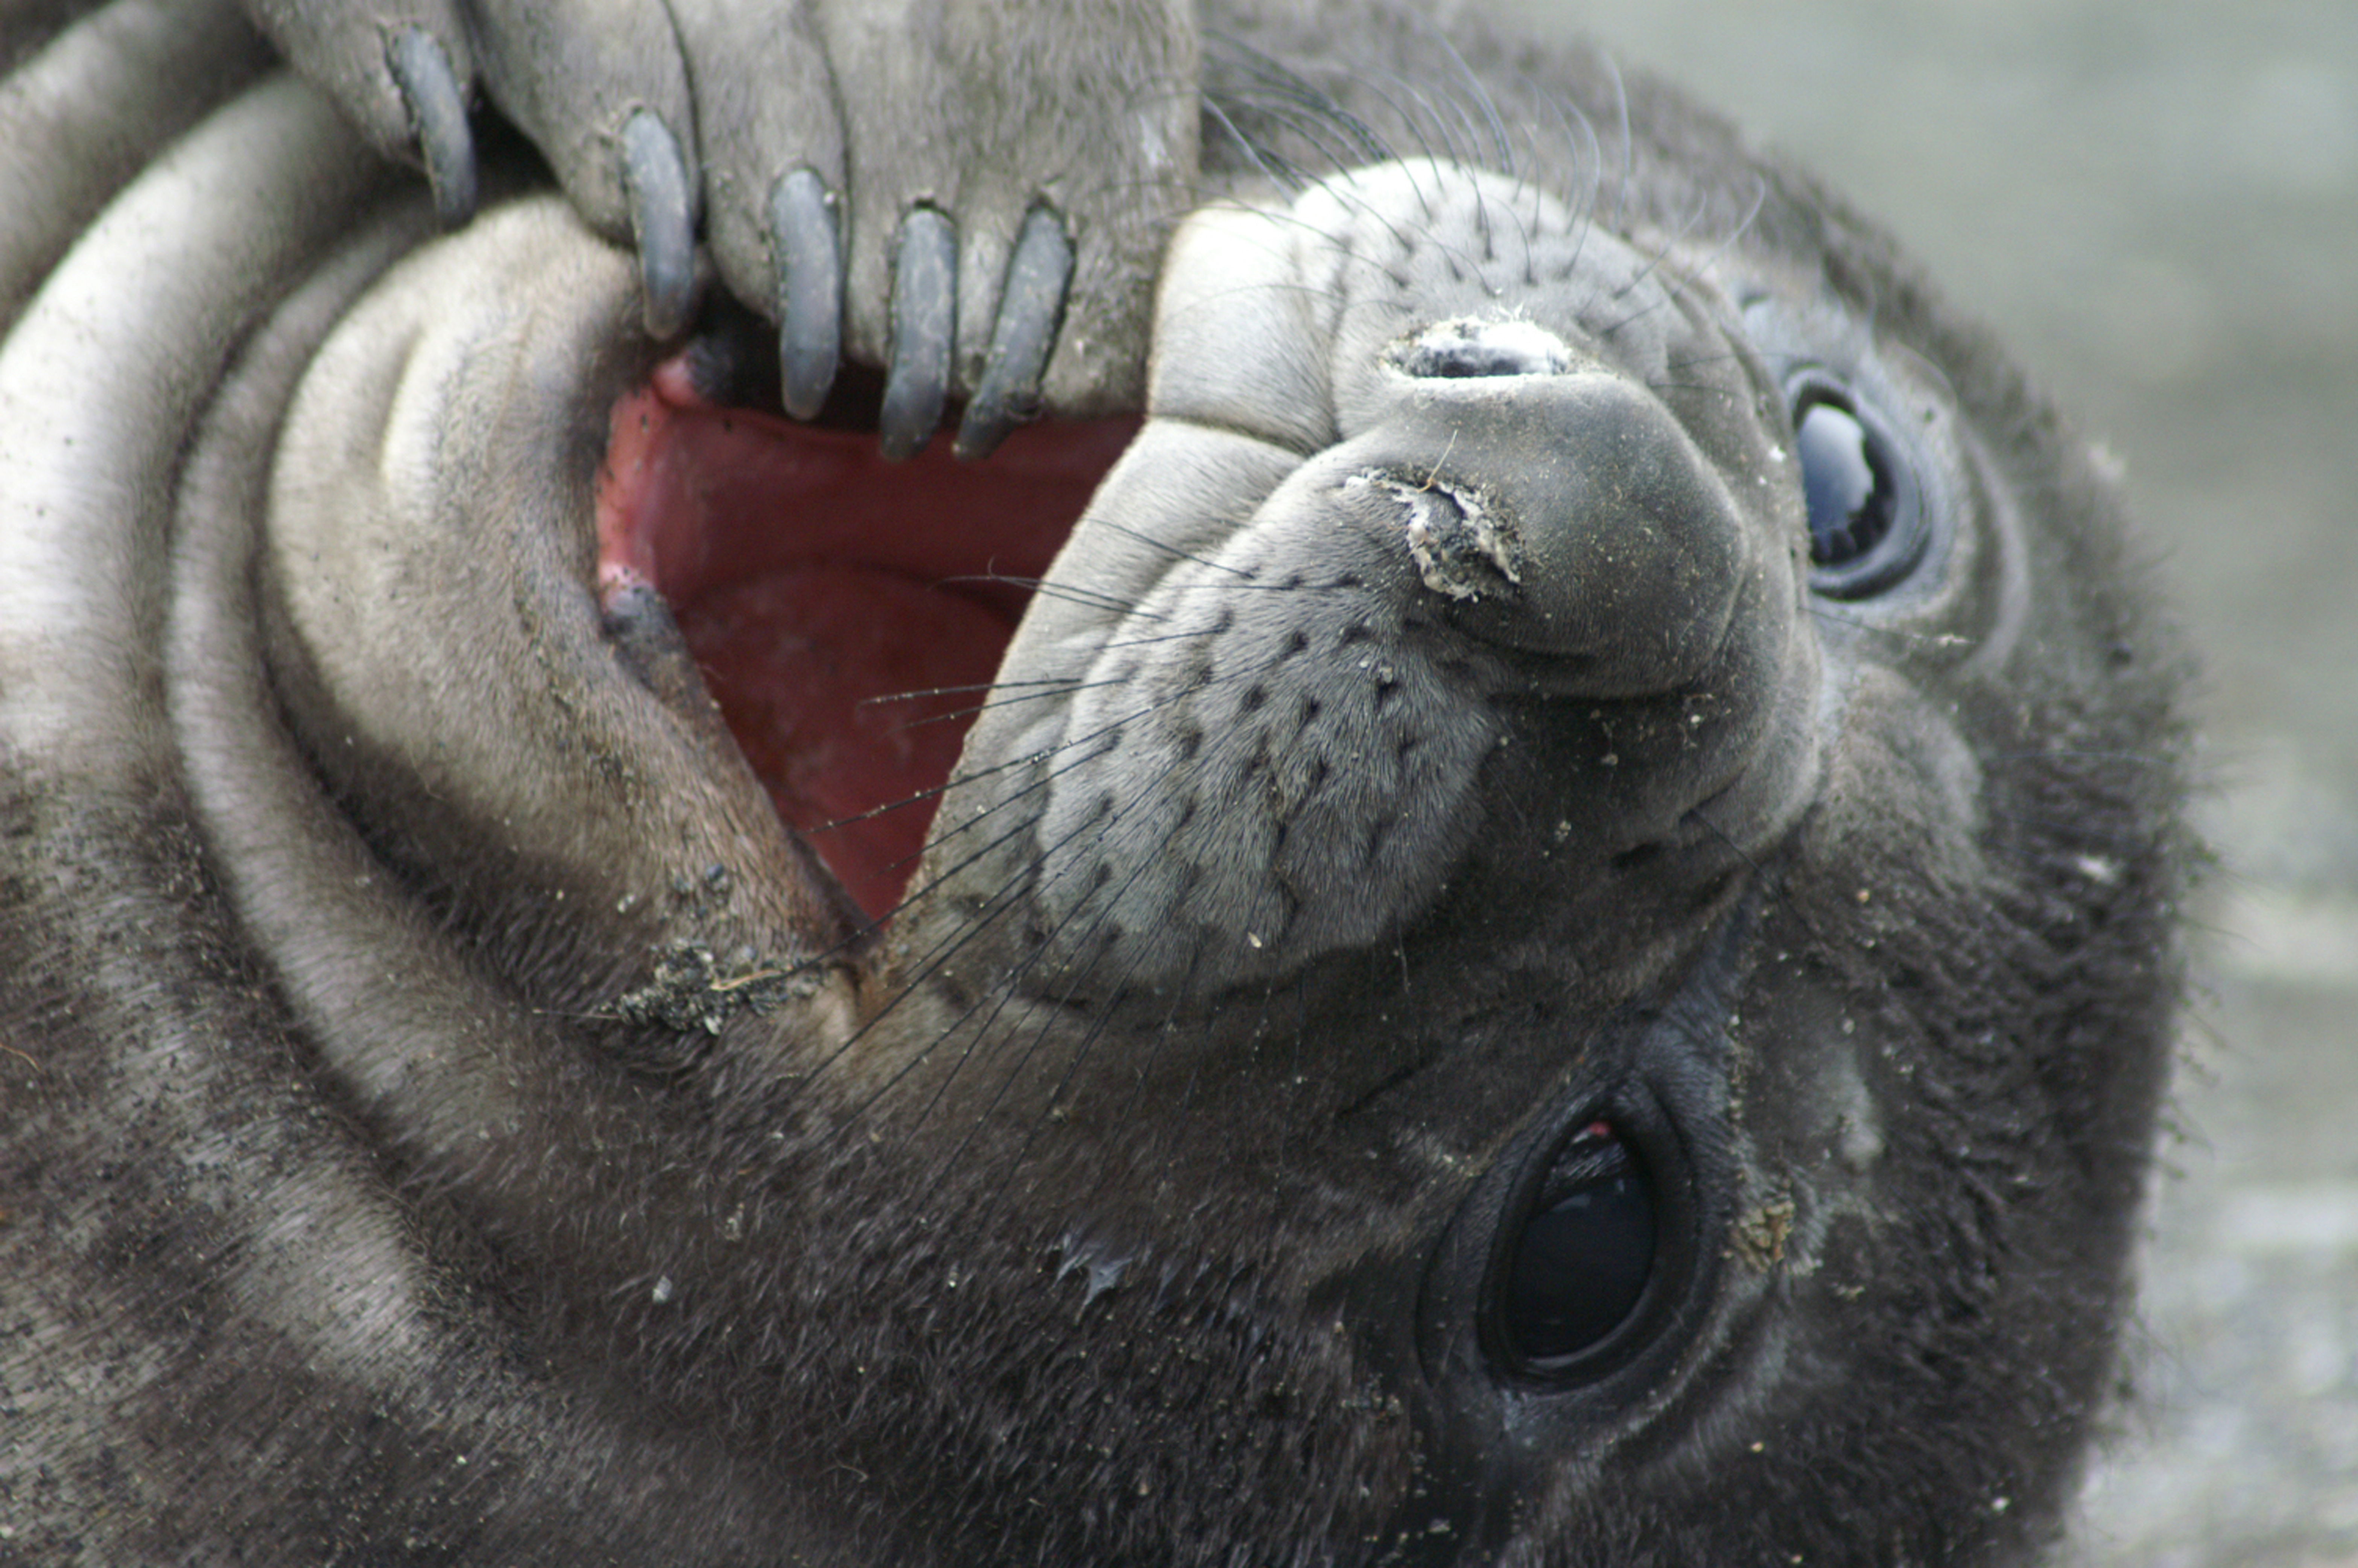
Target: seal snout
x,y
1565,516
1412,578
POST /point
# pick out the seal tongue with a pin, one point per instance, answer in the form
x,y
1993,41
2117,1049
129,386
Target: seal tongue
x,y
846,613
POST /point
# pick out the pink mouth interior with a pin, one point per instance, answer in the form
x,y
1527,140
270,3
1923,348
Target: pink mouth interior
x,y
846,612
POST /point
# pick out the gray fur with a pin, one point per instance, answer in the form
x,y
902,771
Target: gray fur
x,y
448,1119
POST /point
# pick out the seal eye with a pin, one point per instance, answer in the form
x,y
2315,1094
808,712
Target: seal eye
x,y
1580,1266
1849,489
1866,528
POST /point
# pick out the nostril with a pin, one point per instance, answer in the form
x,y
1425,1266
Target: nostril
x,y
1463,347
1461,546
1568,516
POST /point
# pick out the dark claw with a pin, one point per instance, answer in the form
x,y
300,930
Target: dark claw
x,y
662,221
924,327
438,120
809,264
1030,309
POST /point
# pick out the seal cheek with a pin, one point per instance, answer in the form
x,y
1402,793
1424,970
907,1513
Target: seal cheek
x,y
423,572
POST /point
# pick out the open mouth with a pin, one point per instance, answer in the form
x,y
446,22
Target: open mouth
x,y
846,613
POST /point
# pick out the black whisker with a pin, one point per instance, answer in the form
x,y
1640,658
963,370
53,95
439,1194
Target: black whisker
x,y
1048,588
1172,550
1289,84
1734,848
1653,263
1105,912
975,710
1759,199
1258,157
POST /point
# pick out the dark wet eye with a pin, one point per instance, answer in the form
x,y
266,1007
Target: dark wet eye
x,y
1847,482
1580,1265
1866,532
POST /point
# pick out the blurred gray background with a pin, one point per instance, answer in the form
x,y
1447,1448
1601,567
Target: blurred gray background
x,y
2156,200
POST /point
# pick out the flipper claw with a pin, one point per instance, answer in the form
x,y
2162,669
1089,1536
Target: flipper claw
x,y
662,220
807,258
1031,308
924,328
438,120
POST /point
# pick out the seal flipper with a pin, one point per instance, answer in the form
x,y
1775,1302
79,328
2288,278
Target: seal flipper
x,y
659,120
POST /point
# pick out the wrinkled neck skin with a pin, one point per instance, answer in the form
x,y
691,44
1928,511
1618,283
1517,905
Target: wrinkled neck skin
x,y
1426,750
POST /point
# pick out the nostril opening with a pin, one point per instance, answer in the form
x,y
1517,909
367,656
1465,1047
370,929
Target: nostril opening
x,y
1463,348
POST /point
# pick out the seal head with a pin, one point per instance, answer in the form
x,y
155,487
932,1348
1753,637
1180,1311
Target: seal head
x,y
1554,941
1483,954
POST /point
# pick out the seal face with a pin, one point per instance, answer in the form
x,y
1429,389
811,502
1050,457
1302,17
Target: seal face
x,y
1550,937
1434,543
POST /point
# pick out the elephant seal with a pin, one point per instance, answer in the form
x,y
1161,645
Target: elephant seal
x,y
1554,941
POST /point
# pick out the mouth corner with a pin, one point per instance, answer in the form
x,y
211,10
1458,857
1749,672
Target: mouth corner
x,y
846,613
